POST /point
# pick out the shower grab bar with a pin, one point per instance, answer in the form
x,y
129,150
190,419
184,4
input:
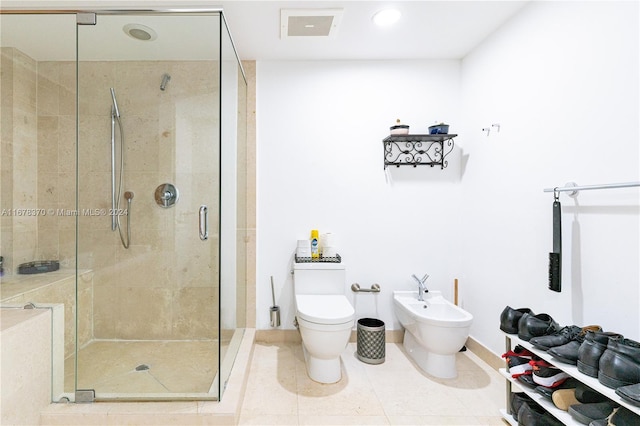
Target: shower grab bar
x,y
573,188
203,223
113,169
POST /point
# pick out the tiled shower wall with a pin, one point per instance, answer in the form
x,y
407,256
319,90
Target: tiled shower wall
x,y
38,160
165,285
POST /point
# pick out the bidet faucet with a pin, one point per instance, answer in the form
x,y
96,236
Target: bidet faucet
x,y
422,288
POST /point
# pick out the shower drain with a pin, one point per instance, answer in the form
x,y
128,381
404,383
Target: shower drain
x,y
142,367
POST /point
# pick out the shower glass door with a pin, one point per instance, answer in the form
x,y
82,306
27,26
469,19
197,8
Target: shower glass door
x,y
149,206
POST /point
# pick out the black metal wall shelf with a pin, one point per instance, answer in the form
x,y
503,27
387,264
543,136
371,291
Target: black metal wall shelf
x,y
332,259
414,150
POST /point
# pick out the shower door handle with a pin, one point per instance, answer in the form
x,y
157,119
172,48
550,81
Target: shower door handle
x,y
203,223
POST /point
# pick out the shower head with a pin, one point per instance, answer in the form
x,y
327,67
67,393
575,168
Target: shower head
x,y
114,103
140,32
165,80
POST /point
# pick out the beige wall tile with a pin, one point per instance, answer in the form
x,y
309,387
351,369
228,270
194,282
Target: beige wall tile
x,y
25,362
195,313
144,313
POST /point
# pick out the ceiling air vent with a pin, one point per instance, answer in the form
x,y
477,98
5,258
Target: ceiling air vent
x,y
309,22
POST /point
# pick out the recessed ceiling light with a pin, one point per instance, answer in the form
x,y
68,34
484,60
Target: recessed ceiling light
x,y
386,17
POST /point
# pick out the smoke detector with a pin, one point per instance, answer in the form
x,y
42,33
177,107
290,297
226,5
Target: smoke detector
x,y
309,22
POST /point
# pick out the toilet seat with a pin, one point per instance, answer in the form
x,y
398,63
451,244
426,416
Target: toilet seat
x,y
324,309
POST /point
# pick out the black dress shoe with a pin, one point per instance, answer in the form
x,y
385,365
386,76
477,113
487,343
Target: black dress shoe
x,y
586,395
527,379
624,417
531,326
510,317
531,414
568,352
560,337
516,401
547,392
590,351
630,393
586,413
620,363
619,417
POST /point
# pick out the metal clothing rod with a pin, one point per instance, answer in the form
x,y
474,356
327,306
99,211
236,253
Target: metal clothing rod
x,y
573,188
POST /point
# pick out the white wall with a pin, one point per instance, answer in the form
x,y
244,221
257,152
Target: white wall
x,y
320,166
561,79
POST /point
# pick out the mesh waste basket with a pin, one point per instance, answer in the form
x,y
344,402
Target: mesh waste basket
x,y
370,340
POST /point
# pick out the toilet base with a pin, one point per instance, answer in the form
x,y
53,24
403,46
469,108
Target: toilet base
x,y
437,365
322,370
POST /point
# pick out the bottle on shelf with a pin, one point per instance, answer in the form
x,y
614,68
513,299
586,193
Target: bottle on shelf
x,y
315,250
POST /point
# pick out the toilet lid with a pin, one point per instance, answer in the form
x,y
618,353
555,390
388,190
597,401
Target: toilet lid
x,y
324,308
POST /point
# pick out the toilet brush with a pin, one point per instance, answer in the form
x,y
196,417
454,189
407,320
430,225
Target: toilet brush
x,y
275,309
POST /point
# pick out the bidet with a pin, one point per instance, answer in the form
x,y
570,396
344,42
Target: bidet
x,y
435,330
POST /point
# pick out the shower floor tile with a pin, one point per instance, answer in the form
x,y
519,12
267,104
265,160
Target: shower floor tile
x,y
279,392
124,367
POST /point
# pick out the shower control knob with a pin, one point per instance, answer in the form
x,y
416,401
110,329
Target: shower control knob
x,y
166,195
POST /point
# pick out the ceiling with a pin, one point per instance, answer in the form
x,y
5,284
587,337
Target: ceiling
x,y
426,30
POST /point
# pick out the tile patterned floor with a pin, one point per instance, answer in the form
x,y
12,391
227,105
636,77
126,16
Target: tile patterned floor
x,y
396,392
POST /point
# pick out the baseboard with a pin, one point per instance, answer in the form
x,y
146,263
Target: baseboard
x,y
293,336
484,354
278,336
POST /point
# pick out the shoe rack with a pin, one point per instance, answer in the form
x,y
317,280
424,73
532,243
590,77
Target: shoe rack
x,y
511,340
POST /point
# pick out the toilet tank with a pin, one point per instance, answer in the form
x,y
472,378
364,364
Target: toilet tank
x,y
319,278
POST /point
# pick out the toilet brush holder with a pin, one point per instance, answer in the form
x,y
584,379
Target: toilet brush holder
x,y
274,311
275,316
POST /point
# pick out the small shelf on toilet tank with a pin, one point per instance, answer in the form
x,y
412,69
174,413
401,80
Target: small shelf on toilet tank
x,y
336,259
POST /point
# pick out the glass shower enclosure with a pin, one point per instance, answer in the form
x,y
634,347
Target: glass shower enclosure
x,y
138,142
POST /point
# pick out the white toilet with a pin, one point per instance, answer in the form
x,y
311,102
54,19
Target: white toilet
x,y
325,317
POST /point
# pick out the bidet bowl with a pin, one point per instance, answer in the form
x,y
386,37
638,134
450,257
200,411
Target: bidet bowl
x,y
435,310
